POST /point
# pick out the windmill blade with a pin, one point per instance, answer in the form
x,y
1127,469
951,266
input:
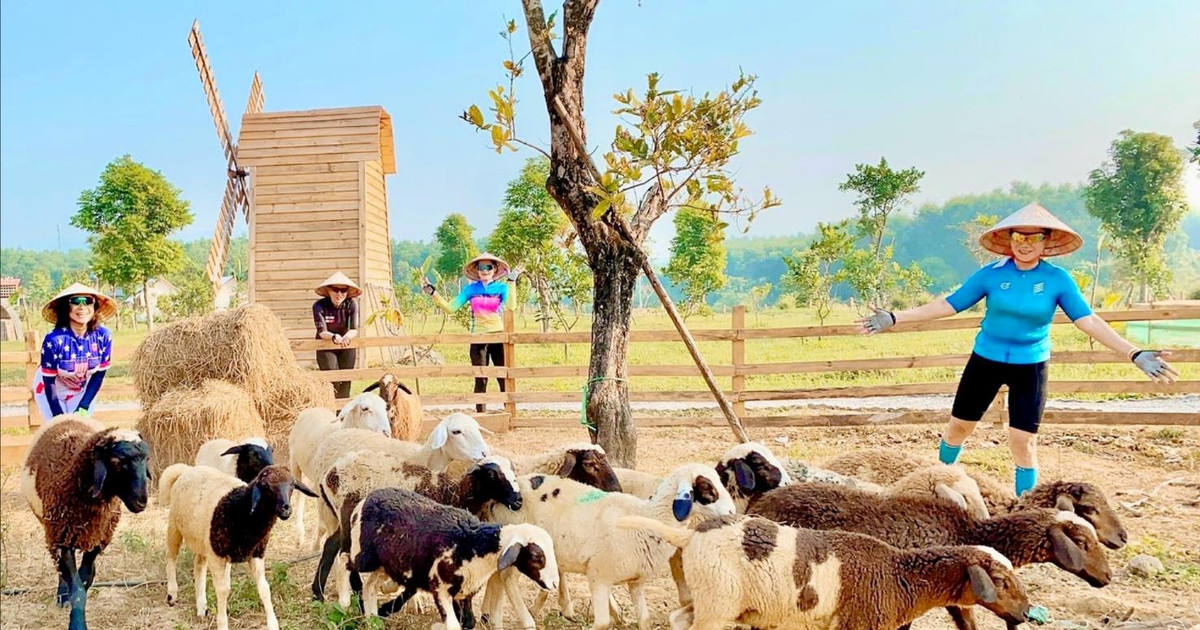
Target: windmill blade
x,y
219,249
209,82
254,105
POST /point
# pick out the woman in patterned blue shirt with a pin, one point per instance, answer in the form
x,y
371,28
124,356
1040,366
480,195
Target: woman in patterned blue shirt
x,y
76,354
1022,293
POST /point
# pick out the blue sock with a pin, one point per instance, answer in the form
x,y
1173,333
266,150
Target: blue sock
x,y
1026,479
948,454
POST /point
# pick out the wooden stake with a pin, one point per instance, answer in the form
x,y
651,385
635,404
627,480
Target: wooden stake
x,y
623,229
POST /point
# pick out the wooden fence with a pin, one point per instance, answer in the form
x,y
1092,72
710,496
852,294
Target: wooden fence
x,y
520,381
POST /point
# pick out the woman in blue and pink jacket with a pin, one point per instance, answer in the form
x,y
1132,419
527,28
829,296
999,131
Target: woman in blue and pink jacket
x,y
487,296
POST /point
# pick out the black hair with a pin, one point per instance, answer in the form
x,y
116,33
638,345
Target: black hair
x,y
62,313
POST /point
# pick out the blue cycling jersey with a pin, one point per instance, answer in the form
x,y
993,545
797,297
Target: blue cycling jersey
x,y
1020,306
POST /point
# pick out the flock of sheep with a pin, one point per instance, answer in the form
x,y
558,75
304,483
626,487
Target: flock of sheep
x,y
872,540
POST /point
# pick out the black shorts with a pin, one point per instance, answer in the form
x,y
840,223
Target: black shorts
x,y
981,380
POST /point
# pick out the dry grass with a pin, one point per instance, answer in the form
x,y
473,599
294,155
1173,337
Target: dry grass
x,y
283,400
183,419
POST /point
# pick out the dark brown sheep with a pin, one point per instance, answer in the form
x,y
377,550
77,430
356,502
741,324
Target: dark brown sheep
x,y
75,478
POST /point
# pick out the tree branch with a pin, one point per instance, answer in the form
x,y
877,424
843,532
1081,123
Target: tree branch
x,y
577,19
540,45
653,206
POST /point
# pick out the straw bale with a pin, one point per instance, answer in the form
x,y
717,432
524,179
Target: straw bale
x,y
183,419
285,398
245,346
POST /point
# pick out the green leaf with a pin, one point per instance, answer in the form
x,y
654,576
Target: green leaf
x,y
601,208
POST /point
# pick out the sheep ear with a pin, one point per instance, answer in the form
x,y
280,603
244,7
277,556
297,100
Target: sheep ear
x,y
681,507
99,473
233,450
982,584
1068,554
510,555
568,464
371,387
1065,503
440,435
303,489
743,475
255,495
950,494
402,386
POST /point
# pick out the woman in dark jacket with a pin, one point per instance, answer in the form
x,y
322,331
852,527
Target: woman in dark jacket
x,y
336,318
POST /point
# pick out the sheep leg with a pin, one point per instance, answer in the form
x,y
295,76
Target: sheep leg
x,y
329,554
600,606
513,589
298,514
199,580
68,572
637,591
396,604
565,603
87,567
221,580
258,569
445,604
685,593
462,608
963,618
174,538
681,618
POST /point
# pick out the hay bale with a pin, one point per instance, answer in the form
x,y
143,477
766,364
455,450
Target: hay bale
x,y
245,346
183,419
284,399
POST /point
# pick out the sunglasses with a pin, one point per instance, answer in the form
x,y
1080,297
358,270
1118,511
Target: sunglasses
x,y
339,289
1038,237
81,300
485,266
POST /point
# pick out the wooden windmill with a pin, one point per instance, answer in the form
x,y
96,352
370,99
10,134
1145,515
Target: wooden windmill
x,y
311,186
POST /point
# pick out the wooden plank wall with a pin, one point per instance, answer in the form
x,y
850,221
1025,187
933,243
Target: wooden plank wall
x,y
378,245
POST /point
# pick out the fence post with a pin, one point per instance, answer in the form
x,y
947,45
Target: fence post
x,y
510,361
32,363
739,359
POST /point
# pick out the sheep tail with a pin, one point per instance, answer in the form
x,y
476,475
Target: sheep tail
x,y
167,479
677,536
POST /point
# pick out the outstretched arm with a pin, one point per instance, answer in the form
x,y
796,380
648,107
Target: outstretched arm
x,y
1149,361
882,319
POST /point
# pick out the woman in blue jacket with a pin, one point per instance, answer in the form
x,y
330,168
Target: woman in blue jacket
x,y
1022,292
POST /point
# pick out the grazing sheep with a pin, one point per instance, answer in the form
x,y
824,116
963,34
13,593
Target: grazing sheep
x,y
243,460
403,407
581,520
312,426
356,474
752,571
1084,499
750,470
75,477
584,462
223,520
423,545
948,482
1024,537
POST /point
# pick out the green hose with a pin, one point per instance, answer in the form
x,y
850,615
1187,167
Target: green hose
x,y
583,419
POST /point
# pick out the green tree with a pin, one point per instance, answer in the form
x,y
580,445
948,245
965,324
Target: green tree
x,y
456,243
671,150
974,229
194,294
130,214
1139,198
810,276
697,264
881,192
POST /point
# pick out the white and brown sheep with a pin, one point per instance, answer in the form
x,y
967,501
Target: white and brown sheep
x,y
244,459
1024,537
75,477
403,407
223,520
584,462
422,545
581,520
755,572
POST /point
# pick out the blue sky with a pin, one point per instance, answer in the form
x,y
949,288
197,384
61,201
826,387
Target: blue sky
x,y
976,94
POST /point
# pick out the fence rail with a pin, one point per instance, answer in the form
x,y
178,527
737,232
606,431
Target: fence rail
x,y
737,370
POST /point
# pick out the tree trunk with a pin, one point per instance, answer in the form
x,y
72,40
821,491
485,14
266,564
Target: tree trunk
x,y
146,303
615,273
1145,290
543,303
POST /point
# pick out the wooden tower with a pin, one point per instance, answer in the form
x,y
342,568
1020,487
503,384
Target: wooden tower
x,y
312,186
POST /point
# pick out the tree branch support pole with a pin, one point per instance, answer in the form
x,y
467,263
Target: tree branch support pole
x,y
622,227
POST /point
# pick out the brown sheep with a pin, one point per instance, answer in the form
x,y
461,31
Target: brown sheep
x,y
75,478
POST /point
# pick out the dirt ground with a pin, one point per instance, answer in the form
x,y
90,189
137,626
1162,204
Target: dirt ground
x,y
1128,462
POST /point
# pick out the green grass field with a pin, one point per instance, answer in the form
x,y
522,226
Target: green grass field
x,y
1065,337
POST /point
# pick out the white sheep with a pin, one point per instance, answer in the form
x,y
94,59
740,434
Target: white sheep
x,y
244,459
948,482
581,521
223,520
367,410
638,483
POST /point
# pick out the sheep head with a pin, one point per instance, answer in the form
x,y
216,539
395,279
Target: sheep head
x,y
119,468
991,583
252,456
530,549
751,469
588,464
273,486
696,493
1076,549
490,479
460,438
367,411
1087,501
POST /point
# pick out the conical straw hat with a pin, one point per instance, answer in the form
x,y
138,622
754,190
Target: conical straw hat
x,y
471,272
1063,240
106,307
339,279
